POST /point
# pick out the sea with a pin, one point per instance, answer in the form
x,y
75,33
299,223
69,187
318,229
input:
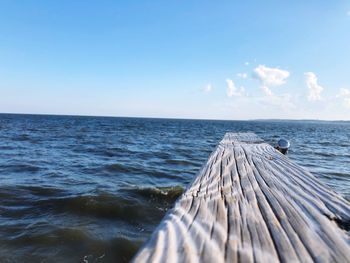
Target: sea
x,y
93,189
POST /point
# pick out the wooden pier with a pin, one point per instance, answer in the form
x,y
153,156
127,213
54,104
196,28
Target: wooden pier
x,y
250,203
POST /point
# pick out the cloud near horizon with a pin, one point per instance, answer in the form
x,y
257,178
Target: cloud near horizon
x,y
232,90
288,102
344,94
208,88
270,77
314,88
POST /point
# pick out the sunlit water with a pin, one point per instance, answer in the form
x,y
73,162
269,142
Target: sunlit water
x,y
87,189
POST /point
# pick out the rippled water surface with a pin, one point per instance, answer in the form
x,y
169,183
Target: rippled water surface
x,y
88,189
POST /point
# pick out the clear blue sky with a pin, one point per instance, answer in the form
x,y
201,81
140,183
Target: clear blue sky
x,y
190,59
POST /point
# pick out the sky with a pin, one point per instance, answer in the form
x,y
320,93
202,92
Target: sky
x,y
201,59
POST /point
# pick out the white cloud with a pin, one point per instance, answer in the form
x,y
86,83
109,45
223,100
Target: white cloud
x,y
347,102
270,77
314,88
242,75
232,90
208,88
266,90
344,94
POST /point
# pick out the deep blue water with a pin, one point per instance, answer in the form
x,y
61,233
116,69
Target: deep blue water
x,y
92,189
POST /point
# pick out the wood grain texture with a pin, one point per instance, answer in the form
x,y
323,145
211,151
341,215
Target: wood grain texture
x,y
249,203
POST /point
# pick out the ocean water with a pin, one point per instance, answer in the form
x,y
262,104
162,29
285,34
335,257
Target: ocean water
x,y
92,189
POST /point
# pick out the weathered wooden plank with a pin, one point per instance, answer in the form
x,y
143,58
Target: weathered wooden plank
x,y
249,203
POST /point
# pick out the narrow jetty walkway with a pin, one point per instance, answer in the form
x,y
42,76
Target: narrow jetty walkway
x,y
250,203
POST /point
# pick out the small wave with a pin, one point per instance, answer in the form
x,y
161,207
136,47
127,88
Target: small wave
x,y
26,193
336,176
181,162
22,137
20,168
118,167
326,154
104,205
7,147
168,194
325,143
139,170
111,152
49,238
161,155
78,244
44,191
9,193
129,204
25,138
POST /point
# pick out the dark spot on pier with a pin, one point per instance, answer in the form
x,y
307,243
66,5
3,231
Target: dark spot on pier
x,y
343,224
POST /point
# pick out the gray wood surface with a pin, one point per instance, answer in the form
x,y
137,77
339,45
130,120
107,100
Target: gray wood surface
x,y
249,203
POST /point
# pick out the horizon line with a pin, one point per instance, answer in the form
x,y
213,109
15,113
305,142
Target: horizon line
x,y
167,118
